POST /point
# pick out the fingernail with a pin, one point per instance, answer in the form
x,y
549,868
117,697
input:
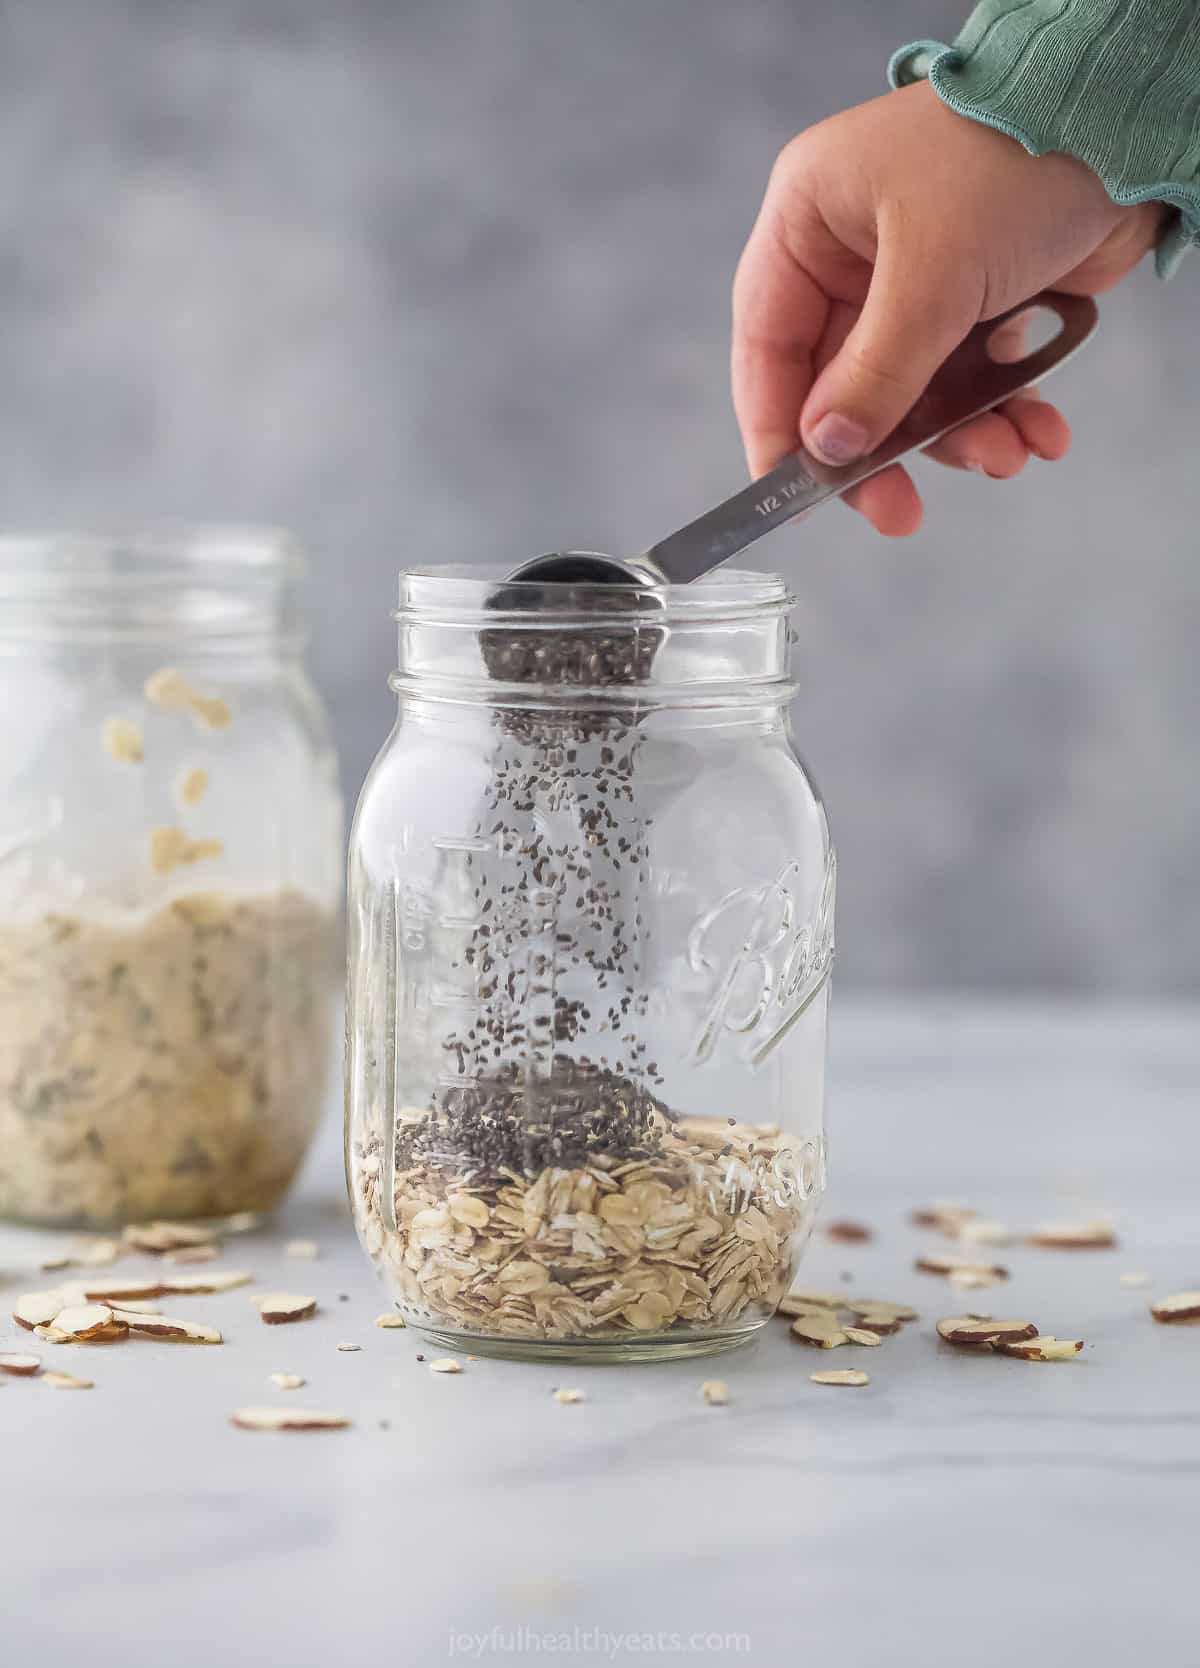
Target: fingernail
x,y
837,439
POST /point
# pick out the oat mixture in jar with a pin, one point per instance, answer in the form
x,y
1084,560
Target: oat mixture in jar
x,y
590,933
169,856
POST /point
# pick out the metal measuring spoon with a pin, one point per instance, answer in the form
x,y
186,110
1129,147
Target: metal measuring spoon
x,y
969,383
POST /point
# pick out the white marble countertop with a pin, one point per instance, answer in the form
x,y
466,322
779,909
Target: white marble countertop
x,y
957,1510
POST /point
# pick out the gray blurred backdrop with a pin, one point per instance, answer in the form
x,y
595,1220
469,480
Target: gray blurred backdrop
x,y
449,280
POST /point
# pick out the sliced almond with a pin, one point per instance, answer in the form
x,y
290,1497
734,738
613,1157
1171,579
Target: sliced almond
x,y
1134,1279
1178,1309
287,1419
349,1349
20,1366
52,1335
861,1335
981,1332
945,1218
821,1331
390,1319
84,1320
972,1232
128,1307
287,1381
182,1331
568,1396
1079,1236
971,1279
303,1250
848,1377
848,1233
984,1273
67,1381
193,1254
446,1365
1042,1348
278,1308
241,1222
37,1309
803,1303
157,1237
466,1208
100,1288
715,1392
205,1285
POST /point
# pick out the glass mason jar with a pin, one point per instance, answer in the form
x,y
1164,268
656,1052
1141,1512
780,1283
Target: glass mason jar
x,y
589,935
170,847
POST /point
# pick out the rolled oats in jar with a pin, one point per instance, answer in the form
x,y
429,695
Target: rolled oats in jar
x,y
590,933
169,856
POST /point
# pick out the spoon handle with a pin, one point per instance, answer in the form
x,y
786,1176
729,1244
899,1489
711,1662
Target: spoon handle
x,y
968,383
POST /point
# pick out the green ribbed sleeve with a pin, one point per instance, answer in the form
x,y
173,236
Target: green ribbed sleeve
x,y
1115,83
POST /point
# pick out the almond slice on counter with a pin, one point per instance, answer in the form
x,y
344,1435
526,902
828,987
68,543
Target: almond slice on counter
x,y
100,1288
447,1364
193,1254
287,1419
972,1232
162,1326
804,1303
1078,1236
1041,1348
241,1222
288,1381
390,1320
34,1309
157,1237
67,1381
1178,1309
20,1366
984,1273
349,1349
126,1307
303,1250
568,1396
821,1331
945,1218
862,1335
982,1332
715,1392
884,1318
849,1378
201,1285
84,1321
843,1232
278,1308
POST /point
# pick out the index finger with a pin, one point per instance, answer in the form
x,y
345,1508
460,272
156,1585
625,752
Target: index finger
x,y
779,315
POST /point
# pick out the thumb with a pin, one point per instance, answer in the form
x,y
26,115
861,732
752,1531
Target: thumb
x,y
914,316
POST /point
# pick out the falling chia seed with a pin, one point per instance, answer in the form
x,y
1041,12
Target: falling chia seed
x,y
551,1068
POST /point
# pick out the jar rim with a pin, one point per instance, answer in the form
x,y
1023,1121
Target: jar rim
x,y
181,551
468,592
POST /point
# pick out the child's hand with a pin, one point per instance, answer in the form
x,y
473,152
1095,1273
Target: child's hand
x,y
886,233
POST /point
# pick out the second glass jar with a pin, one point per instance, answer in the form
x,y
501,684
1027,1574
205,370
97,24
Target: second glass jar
x,y
590,932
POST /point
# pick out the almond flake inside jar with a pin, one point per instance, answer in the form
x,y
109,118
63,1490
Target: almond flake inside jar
x,y
191,787
172,847
287,1419
279,1308
1177,1310
20,1366
849,1378
121,739
67,1381
715,1392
